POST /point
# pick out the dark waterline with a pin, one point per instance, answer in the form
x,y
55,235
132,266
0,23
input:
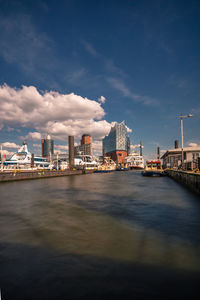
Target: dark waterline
x,y
113,236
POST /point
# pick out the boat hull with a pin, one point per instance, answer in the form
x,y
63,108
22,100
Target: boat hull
x,y
122,169
153,173
136,168
104,171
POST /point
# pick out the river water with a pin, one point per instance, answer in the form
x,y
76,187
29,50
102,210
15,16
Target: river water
x,y
114,236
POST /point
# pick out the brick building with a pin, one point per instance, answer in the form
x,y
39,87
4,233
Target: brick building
x,y
85,146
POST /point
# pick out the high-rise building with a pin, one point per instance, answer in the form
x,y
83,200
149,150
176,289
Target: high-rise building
x,y
71,150
42,147
117,143
86,139
85,147
47,146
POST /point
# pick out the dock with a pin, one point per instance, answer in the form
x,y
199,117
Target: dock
x,y
16,175
189,179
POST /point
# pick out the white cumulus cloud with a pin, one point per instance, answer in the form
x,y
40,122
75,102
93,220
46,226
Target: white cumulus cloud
x,y
10,145
32,136
136,146
51,112
102,99
193,145
61,147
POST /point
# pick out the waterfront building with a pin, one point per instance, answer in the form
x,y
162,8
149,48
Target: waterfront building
x,y
85,147
47,146
116,144
191,155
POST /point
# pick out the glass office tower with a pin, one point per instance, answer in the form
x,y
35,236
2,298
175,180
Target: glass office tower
x,y
47,146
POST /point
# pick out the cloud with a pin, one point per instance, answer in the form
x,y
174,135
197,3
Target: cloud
x,y
32,136
23,45
90,49
128,129
193,145
112,68
61,147
76,76
37,145
10,145
119,85
102,99
181,83
97,147
59,152
136,146
51,112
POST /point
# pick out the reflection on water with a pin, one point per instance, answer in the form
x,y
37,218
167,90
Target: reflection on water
x,y
120,217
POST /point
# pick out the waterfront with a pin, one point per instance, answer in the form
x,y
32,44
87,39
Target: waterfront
x,y
117,235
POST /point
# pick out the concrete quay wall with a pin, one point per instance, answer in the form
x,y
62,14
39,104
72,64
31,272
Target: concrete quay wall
x,y
25,175
188,179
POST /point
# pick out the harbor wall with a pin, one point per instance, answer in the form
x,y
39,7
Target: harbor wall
x,y
189,179
24,175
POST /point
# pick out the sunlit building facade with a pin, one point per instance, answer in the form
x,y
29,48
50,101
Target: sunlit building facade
x,y
117,143
85,148
191,158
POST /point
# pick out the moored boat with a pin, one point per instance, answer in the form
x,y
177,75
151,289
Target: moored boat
x,y
123,167
153,168
135,161
22,159
86,162
108,166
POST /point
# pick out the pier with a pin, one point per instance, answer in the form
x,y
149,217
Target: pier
x,y
189,179
16,175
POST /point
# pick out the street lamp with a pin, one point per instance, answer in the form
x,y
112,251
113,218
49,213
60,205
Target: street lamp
x,y
181,118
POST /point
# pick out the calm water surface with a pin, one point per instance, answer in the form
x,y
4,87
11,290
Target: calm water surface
x,y
96,236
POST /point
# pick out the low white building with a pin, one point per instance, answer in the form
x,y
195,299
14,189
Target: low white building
x,y
191,158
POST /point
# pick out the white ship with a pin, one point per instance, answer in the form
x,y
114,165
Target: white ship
x,y
108,165
135,161
22,159
85,162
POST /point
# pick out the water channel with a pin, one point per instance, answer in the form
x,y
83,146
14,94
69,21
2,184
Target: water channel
x,y
114,236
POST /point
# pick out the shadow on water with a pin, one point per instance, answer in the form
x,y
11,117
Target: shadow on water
x,y
34,273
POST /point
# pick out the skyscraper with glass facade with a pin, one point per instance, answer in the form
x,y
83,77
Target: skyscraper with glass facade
x,y
47,146
117,143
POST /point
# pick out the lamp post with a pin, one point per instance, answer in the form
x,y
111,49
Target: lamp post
x,y
181,118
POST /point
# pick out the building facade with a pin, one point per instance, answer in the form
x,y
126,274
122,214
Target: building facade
x,y
117,143
85,147
47,146
191,156
86,139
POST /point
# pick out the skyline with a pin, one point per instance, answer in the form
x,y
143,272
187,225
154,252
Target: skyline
x,y
77,67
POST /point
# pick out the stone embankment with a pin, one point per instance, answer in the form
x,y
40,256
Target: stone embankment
x,y
188,179
36,174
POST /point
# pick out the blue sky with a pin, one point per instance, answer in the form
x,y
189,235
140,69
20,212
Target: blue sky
x,y
137,61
